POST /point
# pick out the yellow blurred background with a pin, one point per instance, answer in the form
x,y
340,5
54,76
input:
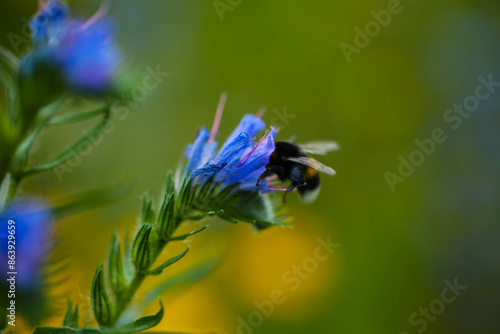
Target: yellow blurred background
x,y
397,244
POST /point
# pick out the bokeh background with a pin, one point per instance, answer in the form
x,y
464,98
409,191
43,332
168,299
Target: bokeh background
x,y
396,247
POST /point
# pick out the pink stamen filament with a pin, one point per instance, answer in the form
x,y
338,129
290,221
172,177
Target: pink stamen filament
x,y
218,116
270,178
253,149
261,112
278,188
42,4
101,12
272,183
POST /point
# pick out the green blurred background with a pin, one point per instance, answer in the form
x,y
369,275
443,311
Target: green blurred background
x,y
397,247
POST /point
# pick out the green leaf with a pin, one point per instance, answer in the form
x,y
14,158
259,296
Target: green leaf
x,y
204,214
180,281
183,202
9,69
73,149
159,270
127,258
141,253
224,193
71,318
166,217
147,212
21,153
101,305
184,236
88,200
204,192
144,322
116,276
138,325
252,207
66,330
78,116
169,183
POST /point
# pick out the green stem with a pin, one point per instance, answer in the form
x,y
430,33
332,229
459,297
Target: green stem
x,y
123,300
9,189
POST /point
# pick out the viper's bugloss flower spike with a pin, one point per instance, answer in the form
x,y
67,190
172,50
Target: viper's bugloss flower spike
x,y
83,53
241,159
26,238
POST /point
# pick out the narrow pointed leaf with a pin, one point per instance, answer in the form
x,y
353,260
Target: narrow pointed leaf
x,y
42,117
9,67
73,149
205,214
184,236
127,258
166,217
71,318
116,276
141,254
101,305
144,322
68,330
169,183
78,116
184,279
169,262
89,200
147,211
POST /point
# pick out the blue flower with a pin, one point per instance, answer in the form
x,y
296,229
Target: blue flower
x,y
47,20
31,224
83,52
240,159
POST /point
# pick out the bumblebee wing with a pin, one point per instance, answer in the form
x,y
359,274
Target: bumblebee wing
x,y
319,147
313,163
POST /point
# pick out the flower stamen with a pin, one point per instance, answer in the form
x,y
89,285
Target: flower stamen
x,y
270,178
278,188
261,112
218,116
101,12
254,148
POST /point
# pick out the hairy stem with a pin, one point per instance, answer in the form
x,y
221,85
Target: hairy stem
x,y
124,299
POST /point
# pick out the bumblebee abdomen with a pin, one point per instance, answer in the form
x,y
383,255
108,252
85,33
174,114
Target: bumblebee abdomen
x,y
310,173
310,190
311,180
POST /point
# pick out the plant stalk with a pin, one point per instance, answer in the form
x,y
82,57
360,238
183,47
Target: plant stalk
x,y
124,299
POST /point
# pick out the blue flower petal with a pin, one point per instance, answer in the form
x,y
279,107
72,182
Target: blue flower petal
x,y
234,147
90,57
194,151
250,124
47,20
249,171
83,52
33,231
238,161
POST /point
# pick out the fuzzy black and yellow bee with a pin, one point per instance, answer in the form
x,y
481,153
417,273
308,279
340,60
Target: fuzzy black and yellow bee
x,y
290,162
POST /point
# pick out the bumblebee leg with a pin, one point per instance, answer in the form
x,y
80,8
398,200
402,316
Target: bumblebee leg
x,y
290,188
264,175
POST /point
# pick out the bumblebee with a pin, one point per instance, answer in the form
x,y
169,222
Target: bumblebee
x,y
290,162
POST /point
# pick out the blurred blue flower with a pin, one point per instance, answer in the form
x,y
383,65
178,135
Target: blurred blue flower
x,y
50,16
84,52
33,231
240,159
